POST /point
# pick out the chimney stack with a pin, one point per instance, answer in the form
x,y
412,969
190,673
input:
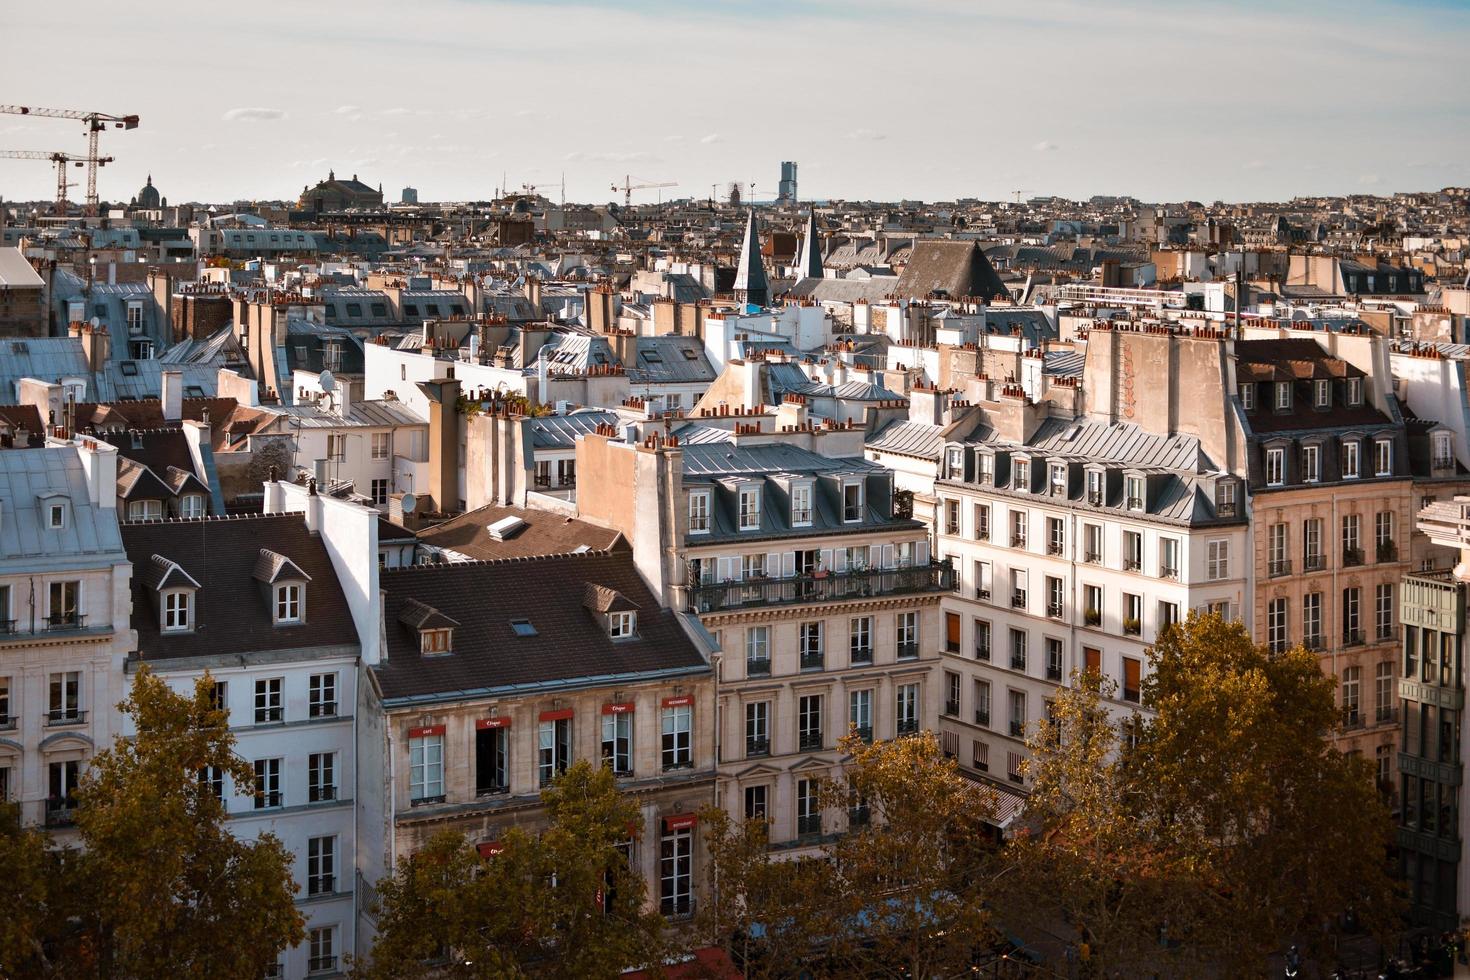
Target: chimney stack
x,y
172,395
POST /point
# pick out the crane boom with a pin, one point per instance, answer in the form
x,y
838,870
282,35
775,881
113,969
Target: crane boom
x,y
61,160
628,187
95,122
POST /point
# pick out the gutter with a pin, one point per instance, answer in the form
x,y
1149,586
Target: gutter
x,y
568,684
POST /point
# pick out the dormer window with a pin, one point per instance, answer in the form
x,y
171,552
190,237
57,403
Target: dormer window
x,y
1283,396
699,512
955,466
1225,498
145,510
1022,480
1350,465
622,625
1134,487
178,611
1058,479
750,508
56,516
435,641
1383,457
1444,456
1354,392
801,505
1311,464
1321,394
1248,397
191,505
985,469
288,606
1275,467
852,503
1095,487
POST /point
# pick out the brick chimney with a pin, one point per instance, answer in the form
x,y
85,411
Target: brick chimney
x,y
443,395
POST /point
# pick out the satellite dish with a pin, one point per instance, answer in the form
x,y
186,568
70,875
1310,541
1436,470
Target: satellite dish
x,y
327,382
410,503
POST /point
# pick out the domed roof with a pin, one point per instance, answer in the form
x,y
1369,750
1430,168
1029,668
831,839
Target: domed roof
x,y
148,197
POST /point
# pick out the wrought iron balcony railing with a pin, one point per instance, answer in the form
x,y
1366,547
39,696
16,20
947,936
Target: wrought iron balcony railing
x,y
821,587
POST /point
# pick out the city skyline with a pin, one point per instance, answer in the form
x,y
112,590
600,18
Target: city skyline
x,y
1160,102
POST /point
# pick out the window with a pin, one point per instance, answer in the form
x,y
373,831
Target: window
x,y
1091,666
1053,659
1018,649
757,651
288,603
678,728
63,778
268,700
336,446
1312,620
267,783
758,728
64,703
1283,395
750,508
1058,479
860,640
1383,457
982,522
1352,544
1054,597
1019,583
1018,713
985,469
1276,625
1383,610
1277,562
1018,529
1217,559
379,445
1133,487
321,865
1092,543
1168,614
1092,603
1132,551
191,505
808,817
1169,558
1248,397
211,778
809,730
756,807
1350,449
810,645
57,516
980,755
553,748
426,766
1225,498
1056,536
982,702
1355,391
860,713
954,463
1443,457
322,949
617,738
982,580
145,510
982,639
801,505
1095,488
1321,394
1312,557
321,777
908,635
1021,480
1351,694
1383,698
65,605
621,625
322,696
951,517
7,719
699,513
1275,467
1132,684
906,706
1311,464
492,756
1383,534
1132,613
379,489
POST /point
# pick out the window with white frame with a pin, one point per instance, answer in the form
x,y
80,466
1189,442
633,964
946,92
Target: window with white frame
x,y
1312,620
1217,559
268,709
1383,610
1443,456
906,708
380,445
553,748
268,784
321,777
1312,557
1383,690
1276,549
1225,498
1355,391
288,602
852,502
178,607
1275,467
1311,463
750,508
1383,531
757,728
860,639
65,697
322,949
907,634
678,728
1283,395
1352,683
1021,479
676,872
801,505
1058,479
1133,487
1383,457
1350,450
1018,529
64,604
954,463
1248,397
699,512
321,865
1092,543
621,625
982,522
191,505
1168,557
984,469
1321,393
617,739
426,767
1095,488
982,702
1276,624
860,713
145,510
379,491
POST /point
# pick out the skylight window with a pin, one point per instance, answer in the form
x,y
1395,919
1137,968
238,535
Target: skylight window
x,y
523,627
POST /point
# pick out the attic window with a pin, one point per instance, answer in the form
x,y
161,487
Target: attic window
x,y
193,391
652,357
1134,488
621,625
523,627
435,641
410,309
57,516
178,608
129,369
288,602
1355,392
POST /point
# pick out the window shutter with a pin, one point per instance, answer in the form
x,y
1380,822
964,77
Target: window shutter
x,y
840,555
827,559
773,565
788,564
890,556
921,553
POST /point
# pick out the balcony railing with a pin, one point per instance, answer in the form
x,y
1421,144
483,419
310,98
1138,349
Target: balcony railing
x,y
9,723
757,746
7,627
864,732
1132,626
859,816
1386,715
1055,548
1018,729
1313,563
1387,552
65,716
861,655
680,908
1018,599
1313,643
61,622
61,812
982,717
908,651
1352,638
982,594
1132,564
321,964
809,741
321,794
951,708
821,587
1054,610
1131,694
1018,541
1442,464
910,726
1092,617
1278,567
982,651
1352,719
1352,557
759,667
1018,661
809,825
1093,558
1169,572
1386,633
1053,672
812,660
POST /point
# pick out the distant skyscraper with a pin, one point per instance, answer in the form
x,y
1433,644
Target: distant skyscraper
x,y
410,195
786,191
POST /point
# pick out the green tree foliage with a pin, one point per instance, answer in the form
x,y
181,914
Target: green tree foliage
x,y
1228,828
564,903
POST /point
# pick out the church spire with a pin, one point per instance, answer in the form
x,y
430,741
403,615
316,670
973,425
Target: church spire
x,y
750,273
809,261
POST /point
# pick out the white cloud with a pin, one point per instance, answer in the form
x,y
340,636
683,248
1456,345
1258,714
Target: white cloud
x,y
1369,179
347,110
711,138
1045,146
253,114
867,134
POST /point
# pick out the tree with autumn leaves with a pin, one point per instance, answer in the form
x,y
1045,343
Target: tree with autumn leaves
x,y
158,881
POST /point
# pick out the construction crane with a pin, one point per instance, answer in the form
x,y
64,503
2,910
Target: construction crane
x,y
61,160
628,187
95,122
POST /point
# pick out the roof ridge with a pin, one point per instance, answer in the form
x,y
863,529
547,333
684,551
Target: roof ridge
x,y
511,560
217,518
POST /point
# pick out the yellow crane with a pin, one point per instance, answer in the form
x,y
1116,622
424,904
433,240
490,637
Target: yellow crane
x,y
628,187
61,160
95,122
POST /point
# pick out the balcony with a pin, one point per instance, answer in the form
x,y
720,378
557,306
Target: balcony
x,y
1352,719
321,794
861,656
759,667
1132,564
812,660
864,732
1387,552
1092,557
9,723
57,717
1314,643
757,747
821,587
910,726
1278,567
982,717
952,528
7,627
61,812
910,651
321,964
809,825
951,708
1386,634
1313,563
1169,572
982,652
1053,672
1018,541
809,741
1442,465
1352,638
1055,548
62,622
1018,599
1352,557
680,909
1018,661
982,594
1387,714
1131,695
1018,729
1054,610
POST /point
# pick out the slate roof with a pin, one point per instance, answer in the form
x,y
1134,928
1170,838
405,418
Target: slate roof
x,y
570,645
669,359
953,269
28,474
544,533
561,431
232,612
917,439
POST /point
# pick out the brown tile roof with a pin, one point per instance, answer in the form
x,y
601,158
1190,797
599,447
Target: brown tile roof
x,y
545,533
419,616
1289,359
954,269
231,610
599,598
147,413
570,641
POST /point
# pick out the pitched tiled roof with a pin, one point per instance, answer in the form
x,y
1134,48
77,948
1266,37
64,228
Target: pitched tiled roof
x,y
162,573
232,612
420,616
545,533
570,642
600,598
272,566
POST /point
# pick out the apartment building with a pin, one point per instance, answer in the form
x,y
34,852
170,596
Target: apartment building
x,y
498,675
821,596
1074,546
64,631
259,604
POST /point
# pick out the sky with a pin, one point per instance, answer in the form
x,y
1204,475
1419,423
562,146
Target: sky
x,y
1165,100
